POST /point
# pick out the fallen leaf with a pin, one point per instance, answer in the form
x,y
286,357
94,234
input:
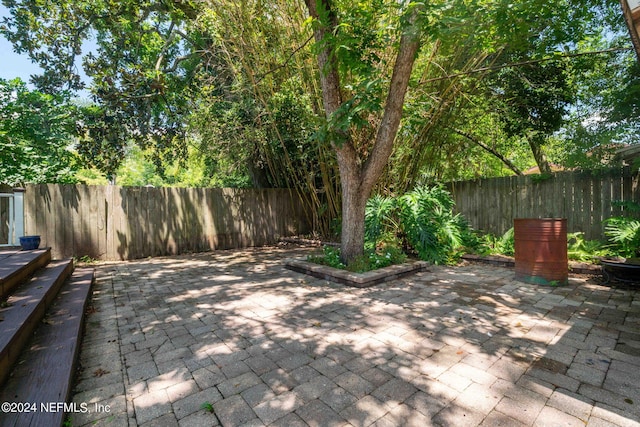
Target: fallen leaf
x,y
100,372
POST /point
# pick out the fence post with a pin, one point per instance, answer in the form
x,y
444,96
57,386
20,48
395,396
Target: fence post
x,y
18,215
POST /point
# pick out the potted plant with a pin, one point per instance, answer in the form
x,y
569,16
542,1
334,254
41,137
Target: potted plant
x,y
29,243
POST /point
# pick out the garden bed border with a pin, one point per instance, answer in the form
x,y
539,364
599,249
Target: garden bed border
x,y
509,262
357,280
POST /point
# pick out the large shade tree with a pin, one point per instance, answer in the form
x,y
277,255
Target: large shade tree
x,y
360,169
237,76
36,132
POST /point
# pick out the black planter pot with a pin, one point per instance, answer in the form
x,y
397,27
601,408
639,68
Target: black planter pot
x,y
624,270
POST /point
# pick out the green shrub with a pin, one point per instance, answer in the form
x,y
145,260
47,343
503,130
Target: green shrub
x,y
623,231
331,257
507,243
579,249
430,226
624,235
494,245
497,245
423,221
380,218
372,259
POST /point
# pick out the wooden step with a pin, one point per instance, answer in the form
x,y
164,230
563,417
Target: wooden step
x,y
25,308
17,266
45,371
6,253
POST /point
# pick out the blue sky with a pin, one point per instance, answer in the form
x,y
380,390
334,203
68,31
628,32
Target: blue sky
x,y
14,65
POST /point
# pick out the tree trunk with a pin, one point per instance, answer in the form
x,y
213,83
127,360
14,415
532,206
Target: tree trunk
x,y
357,175
354,201
538,155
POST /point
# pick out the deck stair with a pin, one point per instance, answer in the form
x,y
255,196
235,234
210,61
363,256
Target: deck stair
x,y
42,306
17,266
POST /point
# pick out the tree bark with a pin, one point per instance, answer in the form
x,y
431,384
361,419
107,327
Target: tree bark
x,y
357,175
538,155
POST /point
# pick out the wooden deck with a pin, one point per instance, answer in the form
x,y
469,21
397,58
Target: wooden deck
x,y
41,321
18,266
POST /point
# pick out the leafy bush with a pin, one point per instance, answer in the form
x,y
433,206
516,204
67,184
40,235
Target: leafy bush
x,y
624,232
428,223
380,218
331,257
423,220
507,242
504,245
624,235
579,249
373,258
377,257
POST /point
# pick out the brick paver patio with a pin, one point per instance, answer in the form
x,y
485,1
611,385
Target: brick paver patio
x,y
231,338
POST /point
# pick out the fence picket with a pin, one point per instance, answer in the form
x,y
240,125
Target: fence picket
x,y
583,198
116,223
113,223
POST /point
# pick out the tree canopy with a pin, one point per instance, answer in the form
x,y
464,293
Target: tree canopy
x,y
316,94
35,135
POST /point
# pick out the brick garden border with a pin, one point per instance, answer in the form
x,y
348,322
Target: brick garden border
x,y
358,280
509,262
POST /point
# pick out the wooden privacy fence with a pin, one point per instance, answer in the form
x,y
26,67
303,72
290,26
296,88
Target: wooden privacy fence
x,y
117,223
584,198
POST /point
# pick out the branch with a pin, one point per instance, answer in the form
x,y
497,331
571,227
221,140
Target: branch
x,y
528,62
167,42
388,128
476,141
286,61
178,60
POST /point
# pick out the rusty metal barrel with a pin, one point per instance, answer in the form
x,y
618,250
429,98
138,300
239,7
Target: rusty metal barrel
x,y
541,250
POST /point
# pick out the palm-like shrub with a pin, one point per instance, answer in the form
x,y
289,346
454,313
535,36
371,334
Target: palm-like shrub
x,y
624,234
579,249
623,231
422,219
507,243
430,227
498,245
380,218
